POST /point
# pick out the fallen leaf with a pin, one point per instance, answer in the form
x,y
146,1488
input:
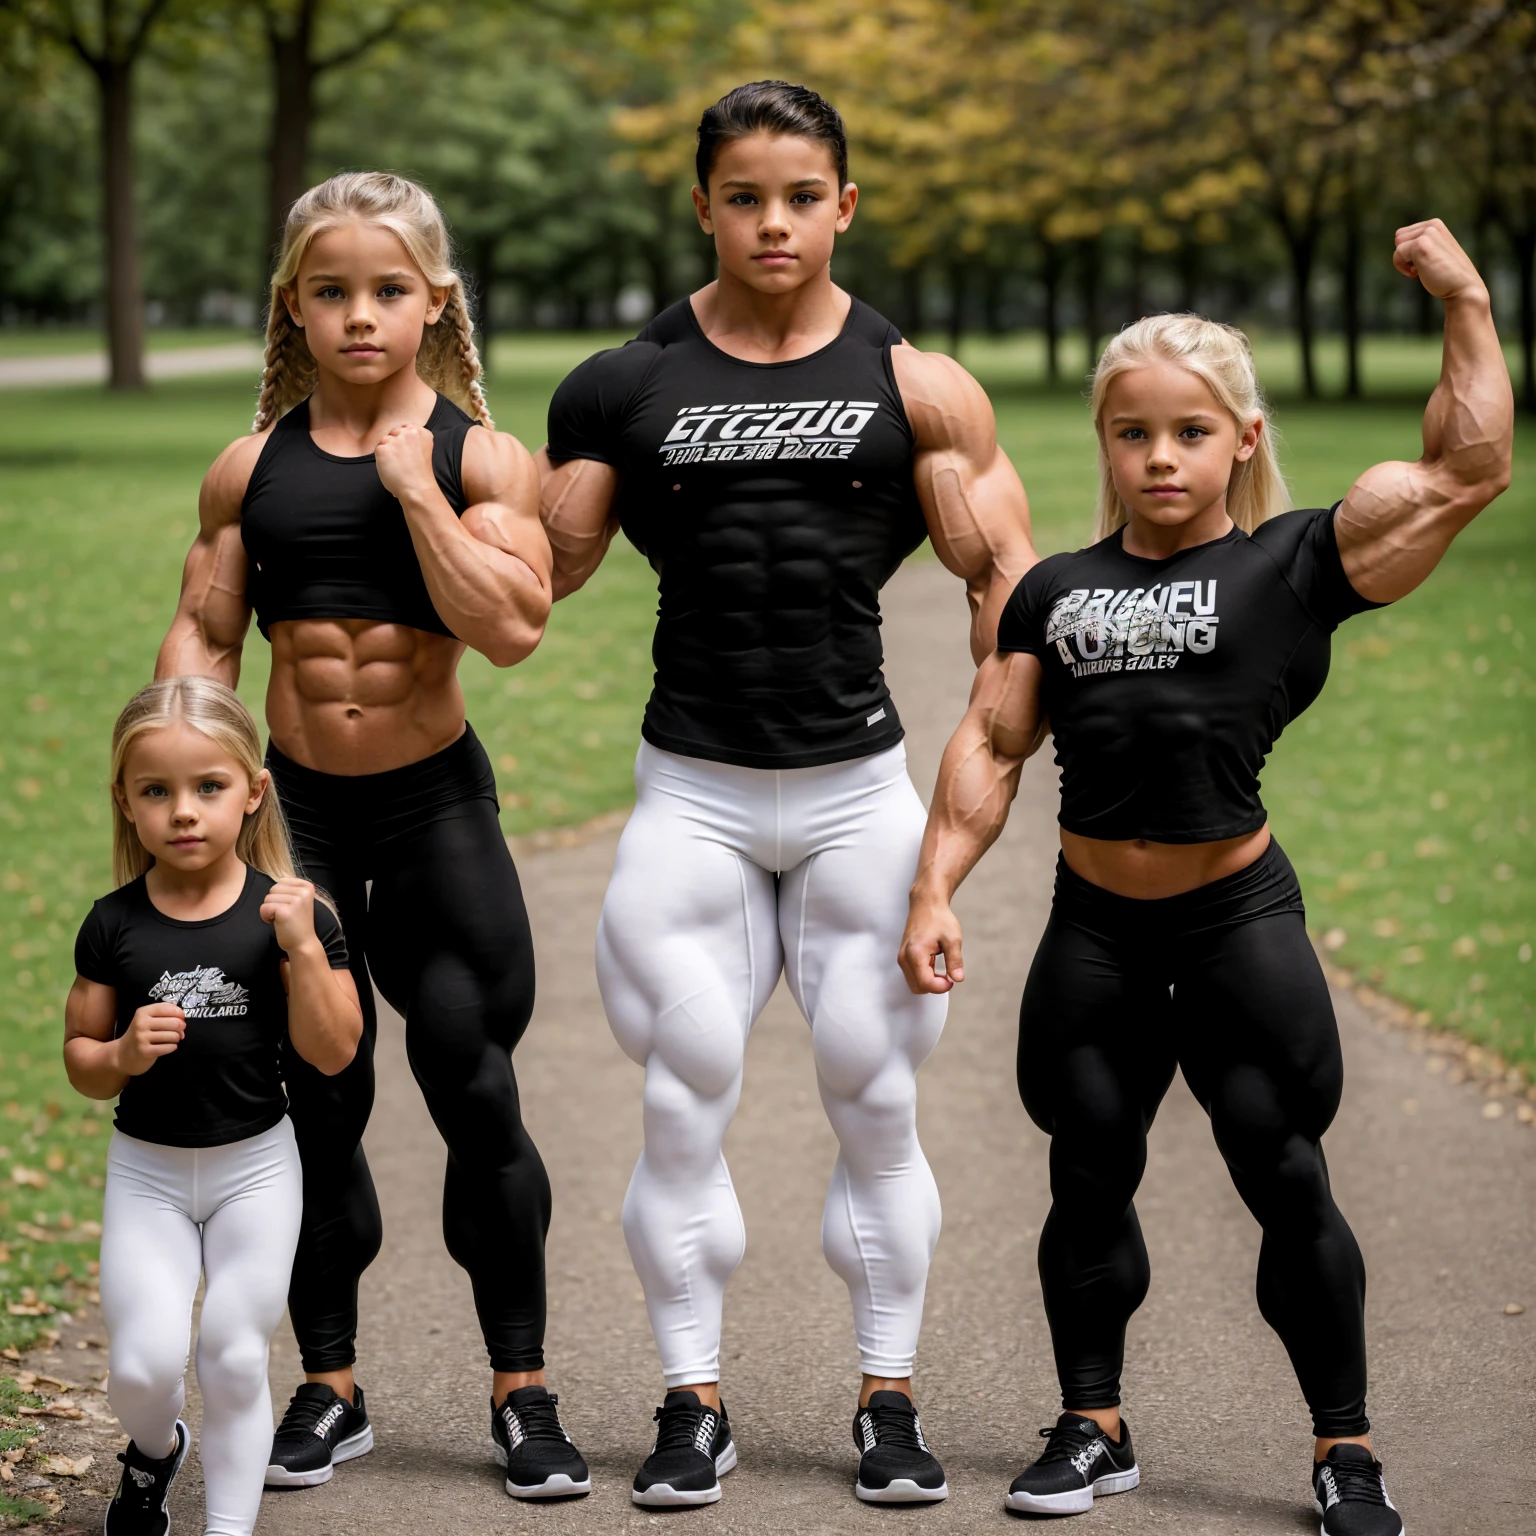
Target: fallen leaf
x,y
67,1466
28,1309
1492,1110
1514,1309
53,1411
10,1354
57,1384
1335,938
33,1176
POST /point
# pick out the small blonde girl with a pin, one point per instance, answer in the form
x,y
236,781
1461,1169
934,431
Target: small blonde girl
x,y
190,975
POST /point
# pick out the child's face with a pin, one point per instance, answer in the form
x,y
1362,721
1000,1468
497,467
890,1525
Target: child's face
x,y
362,302
1171,444
186,796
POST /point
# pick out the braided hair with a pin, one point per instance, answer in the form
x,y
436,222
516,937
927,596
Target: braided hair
x,y
447,359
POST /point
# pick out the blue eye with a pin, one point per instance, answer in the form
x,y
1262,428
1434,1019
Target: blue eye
x,y
209,787
391,291
153,791
330,291
1133,434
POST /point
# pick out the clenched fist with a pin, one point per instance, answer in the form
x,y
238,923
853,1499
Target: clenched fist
x,y
1429,252
154,1031
404,461
290,908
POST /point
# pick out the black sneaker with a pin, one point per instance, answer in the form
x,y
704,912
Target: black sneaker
x,y
1351,1494
895,1464
694,1450
319,1431
138,1508
528,1440
1079,1463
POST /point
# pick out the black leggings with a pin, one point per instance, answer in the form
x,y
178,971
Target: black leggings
x,y
1250,1023
445,935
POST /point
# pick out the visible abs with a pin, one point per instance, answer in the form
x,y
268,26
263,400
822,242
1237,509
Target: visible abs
x,y
350,696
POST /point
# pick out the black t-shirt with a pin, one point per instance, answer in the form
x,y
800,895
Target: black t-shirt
x,y
224,1081
1168,681
773,500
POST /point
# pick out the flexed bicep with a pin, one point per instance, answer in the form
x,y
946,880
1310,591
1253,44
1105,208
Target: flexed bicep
x,y
213,612
971,495
1399,517
576,506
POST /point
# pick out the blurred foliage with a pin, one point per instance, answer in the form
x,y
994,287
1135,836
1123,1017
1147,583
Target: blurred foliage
x,y
1022,161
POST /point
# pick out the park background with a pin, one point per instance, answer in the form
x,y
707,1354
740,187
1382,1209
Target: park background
x,y
1033,176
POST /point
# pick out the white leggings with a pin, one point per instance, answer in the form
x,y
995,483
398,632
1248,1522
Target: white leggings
x,y
694,932
171,1214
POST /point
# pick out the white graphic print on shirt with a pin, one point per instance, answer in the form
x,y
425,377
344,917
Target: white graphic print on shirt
x,y
202,993
779,429
1135,629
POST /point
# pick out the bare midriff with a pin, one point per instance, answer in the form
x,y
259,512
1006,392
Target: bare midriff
x,y
353,696
1147,871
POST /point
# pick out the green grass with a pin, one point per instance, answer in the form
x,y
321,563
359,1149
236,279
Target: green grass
x,y
1403,795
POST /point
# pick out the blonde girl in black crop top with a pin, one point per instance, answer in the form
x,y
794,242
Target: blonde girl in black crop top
x,y
1166,659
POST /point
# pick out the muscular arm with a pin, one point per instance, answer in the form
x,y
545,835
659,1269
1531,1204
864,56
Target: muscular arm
x,y
978,778
487,572
576,506
978,515
1399,518
212,614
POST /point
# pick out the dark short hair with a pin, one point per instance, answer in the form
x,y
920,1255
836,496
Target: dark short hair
x,y
773,107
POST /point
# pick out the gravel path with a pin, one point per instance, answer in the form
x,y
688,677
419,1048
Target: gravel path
x,y
91,367
1441,1198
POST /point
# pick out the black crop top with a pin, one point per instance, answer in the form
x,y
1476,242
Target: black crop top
x,y
324,539
1168,681
224,1082
773,500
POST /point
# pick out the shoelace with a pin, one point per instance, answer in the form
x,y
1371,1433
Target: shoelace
x,y
539,1419
1064,1441
303,1414
679,1426
895,1427
1358,1482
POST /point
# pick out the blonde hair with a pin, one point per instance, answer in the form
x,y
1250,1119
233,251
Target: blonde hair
x,y
1220,355
447,360
217,712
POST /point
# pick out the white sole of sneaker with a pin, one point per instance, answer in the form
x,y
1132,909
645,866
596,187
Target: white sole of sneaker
x,y
346,1450
665,1496
1075,1501
560,1486
1402,1530
902,1490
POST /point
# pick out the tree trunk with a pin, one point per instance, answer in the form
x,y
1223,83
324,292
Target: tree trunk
x,y
293,111
483,275
1524,243
120,224
993,280
1303,249
911,301
1088,288
1189,275
956,307
1050,277
1350,291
